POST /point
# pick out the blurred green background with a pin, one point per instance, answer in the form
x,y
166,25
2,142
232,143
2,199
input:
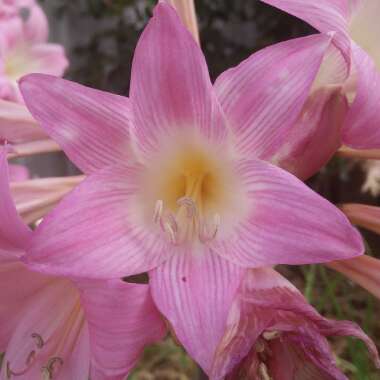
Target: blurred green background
x,y
100,37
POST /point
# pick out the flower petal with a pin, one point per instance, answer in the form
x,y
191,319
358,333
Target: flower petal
x,y
363,216
171,92
324,15
94,231
195,307
361,130
18,173
122,319
263,96
286,223
17,124
186,10
90,125
14,234
54,314
363,270
244,324
316,136
34,198
14,298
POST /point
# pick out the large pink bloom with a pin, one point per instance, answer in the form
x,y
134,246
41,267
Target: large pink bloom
x,y
53,327
177,189
24,48
273,333
357,36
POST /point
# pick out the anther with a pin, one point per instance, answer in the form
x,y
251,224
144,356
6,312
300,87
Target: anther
x,y
263,372
190,205
50,369
158,211
270,335
38,340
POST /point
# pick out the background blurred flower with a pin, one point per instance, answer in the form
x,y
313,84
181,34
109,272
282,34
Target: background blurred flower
x,y
24,48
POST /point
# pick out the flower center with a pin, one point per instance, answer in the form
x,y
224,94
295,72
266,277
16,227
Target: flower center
x,y
189,192
188,218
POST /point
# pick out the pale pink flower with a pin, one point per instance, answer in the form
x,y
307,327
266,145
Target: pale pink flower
x,y
24,48
176,188
357,36
273,333
57,328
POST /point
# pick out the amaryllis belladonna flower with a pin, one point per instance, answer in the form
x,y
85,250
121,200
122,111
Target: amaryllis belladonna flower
x,y
357,30
176,188
273,333
56,328
24,48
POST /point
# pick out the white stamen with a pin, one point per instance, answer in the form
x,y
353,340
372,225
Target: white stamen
x,y
172,223
205,235
270,335
216,225
169,229
263,372
158,210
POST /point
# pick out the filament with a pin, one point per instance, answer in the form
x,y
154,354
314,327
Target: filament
x,y
179,229
263,372
49,370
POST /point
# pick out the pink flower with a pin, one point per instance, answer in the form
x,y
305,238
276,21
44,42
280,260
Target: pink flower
x,y
24,48
357,30
55,327
175,188
273,333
